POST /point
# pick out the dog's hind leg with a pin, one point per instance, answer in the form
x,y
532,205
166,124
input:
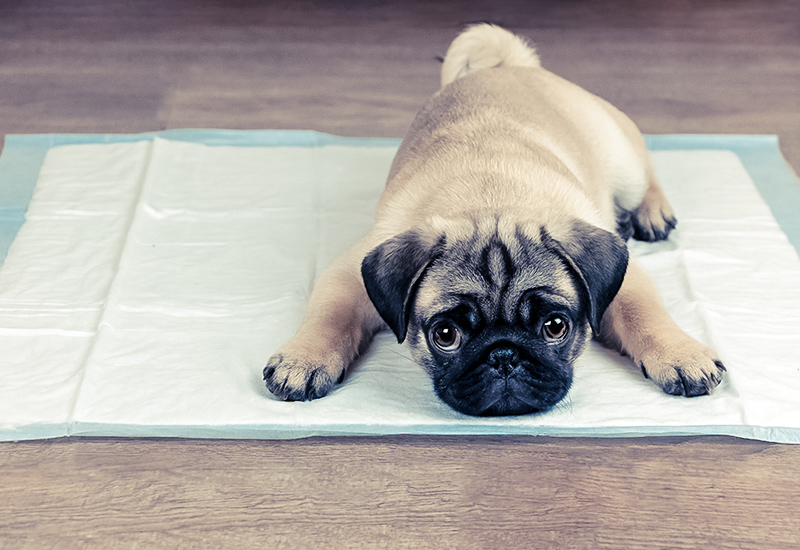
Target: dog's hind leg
x,y
654,218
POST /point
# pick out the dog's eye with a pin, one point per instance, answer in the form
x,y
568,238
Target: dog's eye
x,y
555,328
446,337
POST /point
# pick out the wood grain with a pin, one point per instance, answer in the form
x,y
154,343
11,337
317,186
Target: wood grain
x,y
401,492
357,67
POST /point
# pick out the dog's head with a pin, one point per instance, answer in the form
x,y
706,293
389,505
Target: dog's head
x,y
495,311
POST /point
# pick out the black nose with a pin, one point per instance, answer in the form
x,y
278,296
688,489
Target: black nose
x,y
503,359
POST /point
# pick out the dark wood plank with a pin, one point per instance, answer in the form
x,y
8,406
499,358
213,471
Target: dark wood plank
x,y
356,67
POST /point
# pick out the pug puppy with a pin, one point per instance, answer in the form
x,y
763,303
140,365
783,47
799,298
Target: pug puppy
x,y
499,249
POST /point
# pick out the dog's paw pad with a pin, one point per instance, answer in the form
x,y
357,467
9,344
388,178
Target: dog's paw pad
x,y
297,379
690,376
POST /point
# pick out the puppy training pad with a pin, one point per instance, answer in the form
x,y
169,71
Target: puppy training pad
x,y
147,279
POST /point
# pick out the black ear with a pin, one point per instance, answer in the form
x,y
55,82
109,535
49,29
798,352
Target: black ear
x,y
391,273
600,259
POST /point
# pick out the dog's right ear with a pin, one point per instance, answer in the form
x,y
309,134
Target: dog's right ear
x,y
392,273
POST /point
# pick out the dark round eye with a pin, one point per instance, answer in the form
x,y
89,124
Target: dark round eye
x,y
555,328
446,337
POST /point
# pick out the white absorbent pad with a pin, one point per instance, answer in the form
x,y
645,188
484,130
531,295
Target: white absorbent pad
x,y
153,276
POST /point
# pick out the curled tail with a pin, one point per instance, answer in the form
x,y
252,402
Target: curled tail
x,y
485,46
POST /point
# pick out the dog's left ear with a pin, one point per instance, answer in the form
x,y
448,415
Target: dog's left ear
x,y
599,259
392,272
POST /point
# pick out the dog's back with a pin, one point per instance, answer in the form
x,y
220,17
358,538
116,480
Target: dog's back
x,y
621,159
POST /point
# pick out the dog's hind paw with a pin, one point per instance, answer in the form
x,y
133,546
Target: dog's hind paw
x,y
654,218
651,227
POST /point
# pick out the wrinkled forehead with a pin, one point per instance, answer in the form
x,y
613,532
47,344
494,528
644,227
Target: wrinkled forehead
x,y
494,269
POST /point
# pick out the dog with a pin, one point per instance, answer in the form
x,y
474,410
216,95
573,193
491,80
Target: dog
x,y
499,246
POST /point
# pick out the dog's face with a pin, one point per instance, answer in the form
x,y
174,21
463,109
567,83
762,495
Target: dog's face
x,y
495,311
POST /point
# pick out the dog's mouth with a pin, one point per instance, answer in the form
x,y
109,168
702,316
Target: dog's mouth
x,y
504,384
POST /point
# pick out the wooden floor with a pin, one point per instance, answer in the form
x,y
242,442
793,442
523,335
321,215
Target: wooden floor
x,y
359,67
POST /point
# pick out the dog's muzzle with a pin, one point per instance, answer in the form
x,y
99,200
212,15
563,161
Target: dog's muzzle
x,y
506,381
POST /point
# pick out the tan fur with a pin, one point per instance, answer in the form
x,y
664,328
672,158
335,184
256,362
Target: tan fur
x,y
508,140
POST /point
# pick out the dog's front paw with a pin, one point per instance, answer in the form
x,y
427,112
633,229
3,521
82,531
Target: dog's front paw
x,y
689,369
293,378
